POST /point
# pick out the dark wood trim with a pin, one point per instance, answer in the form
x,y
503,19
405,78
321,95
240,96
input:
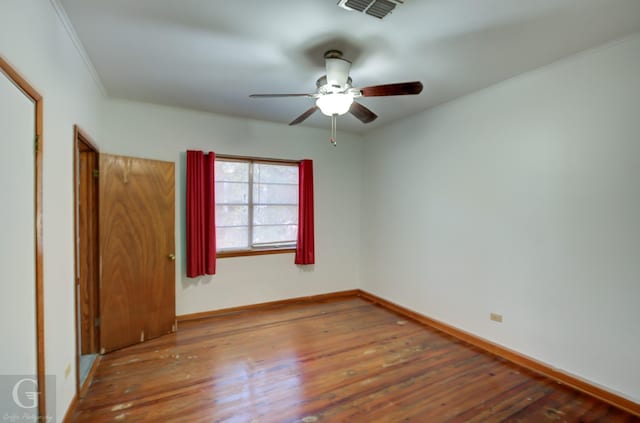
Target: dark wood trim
x,y
75,257
87,382
68,416
510,355
269,304
257,159
243,253
19,80
42,404
37,98
86,139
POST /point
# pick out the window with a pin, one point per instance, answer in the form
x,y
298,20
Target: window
x,y
256,206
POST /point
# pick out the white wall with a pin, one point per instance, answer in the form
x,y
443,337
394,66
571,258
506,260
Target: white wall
x,y
165,133
521,199
34,41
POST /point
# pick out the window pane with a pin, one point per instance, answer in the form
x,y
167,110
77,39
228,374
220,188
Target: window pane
x,y
232,216
274,233
266,215
232,171
275,194
281,174
232,193
232,238
274,204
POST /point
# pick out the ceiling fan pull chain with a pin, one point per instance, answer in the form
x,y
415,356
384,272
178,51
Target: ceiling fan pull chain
x,y
332,140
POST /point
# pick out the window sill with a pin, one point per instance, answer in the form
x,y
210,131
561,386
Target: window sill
x,y
243,253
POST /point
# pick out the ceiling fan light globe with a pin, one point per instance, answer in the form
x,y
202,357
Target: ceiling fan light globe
x,y
335,103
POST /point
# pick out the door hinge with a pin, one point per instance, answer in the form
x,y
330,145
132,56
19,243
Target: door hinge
x,y
36,143
96,322
96,173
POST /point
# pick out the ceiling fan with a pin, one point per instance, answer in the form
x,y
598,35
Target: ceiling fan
x,y
336,96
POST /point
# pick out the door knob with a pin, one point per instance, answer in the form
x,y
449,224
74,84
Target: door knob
x,y
172,257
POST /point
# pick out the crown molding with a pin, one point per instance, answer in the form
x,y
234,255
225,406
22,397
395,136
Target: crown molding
x,y
73,35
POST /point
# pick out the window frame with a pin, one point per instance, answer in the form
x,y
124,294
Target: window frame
x,y
264,250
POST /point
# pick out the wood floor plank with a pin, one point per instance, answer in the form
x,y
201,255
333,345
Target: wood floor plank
x,y
332,361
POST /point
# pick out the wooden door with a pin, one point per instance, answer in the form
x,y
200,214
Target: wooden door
x,y
137,286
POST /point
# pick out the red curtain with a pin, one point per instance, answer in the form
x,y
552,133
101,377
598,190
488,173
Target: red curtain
x,y
305,251
201,217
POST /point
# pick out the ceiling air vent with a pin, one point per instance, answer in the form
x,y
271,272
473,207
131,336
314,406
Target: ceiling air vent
x,y
375,8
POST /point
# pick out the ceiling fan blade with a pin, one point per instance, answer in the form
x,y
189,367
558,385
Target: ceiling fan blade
x,y
365,115
304,116
279,95
401,88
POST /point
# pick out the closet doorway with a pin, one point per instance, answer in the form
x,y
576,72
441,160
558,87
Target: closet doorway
x,y
86,173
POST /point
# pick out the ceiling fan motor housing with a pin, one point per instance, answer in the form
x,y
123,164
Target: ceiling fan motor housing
x,y
337,69
322,82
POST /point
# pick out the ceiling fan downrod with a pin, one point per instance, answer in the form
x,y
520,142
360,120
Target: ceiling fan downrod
x,y
332,139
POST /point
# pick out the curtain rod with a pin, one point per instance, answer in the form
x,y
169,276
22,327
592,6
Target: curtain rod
x,y
256,159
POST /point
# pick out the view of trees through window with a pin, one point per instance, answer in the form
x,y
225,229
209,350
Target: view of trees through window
x,y
256,204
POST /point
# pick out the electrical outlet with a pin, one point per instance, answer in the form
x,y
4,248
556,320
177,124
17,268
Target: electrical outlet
x,y
496,317
67,370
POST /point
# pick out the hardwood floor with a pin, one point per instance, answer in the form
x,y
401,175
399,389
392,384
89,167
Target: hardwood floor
x,y
329,361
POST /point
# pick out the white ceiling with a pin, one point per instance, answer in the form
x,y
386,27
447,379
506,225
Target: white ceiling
x,y
211,54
